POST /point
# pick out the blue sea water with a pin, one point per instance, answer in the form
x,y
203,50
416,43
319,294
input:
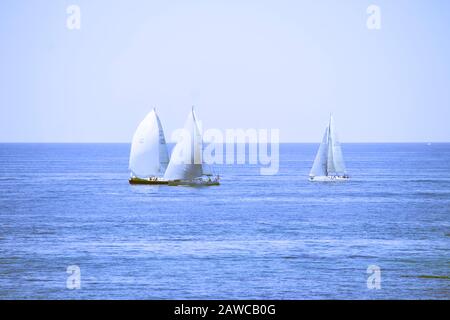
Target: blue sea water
x,y
270,237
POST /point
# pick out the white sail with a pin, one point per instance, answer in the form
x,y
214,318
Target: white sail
x,y
337,158
163,151
329,160
207,170
149,156
320,163
186,159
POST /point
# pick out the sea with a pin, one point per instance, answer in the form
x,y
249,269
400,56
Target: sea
x,y
72,227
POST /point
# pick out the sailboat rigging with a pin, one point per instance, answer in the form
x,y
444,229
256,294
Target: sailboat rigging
x,y
329,163
186,165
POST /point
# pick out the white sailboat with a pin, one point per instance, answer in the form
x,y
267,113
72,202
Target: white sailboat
x,y
186,165
329,163
148,156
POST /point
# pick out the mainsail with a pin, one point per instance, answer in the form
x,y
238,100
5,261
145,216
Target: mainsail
x,y
186,159
329,160
149,156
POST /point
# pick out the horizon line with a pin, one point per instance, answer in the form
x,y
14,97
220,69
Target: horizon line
x,y
173,142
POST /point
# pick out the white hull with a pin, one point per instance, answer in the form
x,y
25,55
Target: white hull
x,y
328,178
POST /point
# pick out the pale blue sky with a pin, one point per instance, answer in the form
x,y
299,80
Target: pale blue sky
x,y
244,64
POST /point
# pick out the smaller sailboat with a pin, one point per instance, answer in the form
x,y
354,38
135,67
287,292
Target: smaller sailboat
x,y
186,167
329,163
148,156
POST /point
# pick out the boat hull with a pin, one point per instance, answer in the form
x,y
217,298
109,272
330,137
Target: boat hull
x,y
147,181
193,183
328,178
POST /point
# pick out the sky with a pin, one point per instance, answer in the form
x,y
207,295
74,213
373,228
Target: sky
x,y
244,64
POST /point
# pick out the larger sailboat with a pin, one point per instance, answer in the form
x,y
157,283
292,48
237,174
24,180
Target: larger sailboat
x,y
186,165
329,163
149,156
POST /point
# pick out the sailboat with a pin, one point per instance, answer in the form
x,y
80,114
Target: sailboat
x,y
329,163
148,156
186,165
